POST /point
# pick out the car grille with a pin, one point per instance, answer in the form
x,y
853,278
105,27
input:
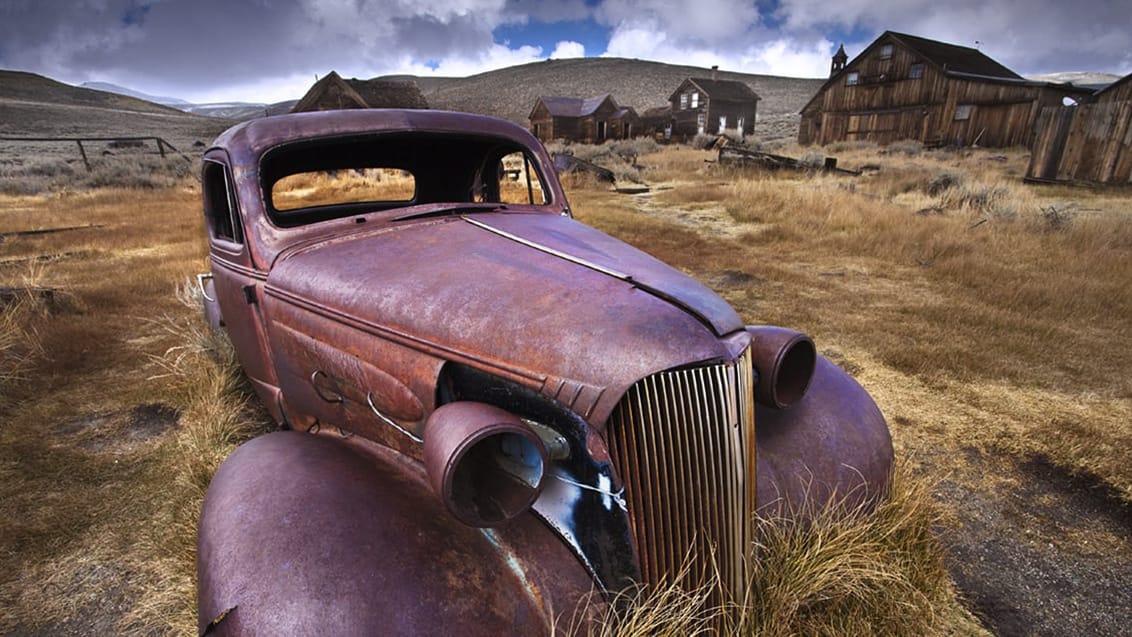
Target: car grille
x,y
683,443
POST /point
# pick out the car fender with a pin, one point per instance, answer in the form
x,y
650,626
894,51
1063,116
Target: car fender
x,y
832,446
318,534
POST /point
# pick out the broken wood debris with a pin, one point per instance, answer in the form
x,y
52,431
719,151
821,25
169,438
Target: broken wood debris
x,y
740,156
565,163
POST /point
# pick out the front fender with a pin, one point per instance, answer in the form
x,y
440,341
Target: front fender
x,y
833,445
319,535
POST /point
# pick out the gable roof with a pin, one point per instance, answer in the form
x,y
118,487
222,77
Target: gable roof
x,y
559,106
333,92
951,58
725,90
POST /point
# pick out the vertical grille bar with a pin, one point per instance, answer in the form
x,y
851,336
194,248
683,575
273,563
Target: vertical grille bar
x,y
683,443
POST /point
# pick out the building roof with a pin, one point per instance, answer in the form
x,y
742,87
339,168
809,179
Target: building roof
x,y
559,106
1112,87
953,58
333,92
725,90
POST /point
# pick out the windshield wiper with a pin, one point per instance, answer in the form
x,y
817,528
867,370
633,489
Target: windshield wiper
x,y
454,209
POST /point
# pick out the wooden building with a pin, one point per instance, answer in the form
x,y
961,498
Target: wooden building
x,y
1086,142
907,87
712,107
333,93
574,119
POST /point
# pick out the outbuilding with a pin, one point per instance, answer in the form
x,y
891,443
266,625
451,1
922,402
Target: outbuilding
x,y
592,120
1090,141
709,106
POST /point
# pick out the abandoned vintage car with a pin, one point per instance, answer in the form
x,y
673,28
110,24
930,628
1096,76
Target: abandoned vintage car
x,y
489,410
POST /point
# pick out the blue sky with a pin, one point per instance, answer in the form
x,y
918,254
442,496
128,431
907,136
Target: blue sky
x,y
271,50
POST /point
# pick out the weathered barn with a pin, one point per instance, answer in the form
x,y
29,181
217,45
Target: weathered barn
x,y
907,87
711,106
1089,142
333,93
592,120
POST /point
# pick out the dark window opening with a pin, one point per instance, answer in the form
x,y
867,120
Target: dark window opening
x,y
219,207
886,52
916,71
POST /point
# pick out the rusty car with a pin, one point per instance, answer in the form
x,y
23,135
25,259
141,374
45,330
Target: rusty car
x,y
488,411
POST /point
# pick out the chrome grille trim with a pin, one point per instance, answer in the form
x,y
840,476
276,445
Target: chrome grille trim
x,y
683,443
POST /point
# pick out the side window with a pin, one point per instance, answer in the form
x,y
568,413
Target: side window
x,y
219,203
852,78
515,181
916,71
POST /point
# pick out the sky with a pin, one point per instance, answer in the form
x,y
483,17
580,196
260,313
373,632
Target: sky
x,y
273,50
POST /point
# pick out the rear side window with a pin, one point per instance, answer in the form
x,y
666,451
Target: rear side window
x,y
219,203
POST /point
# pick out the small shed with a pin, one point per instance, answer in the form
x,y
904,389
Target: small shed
x,y
1086,142
907,87
334,93
592,120
713,107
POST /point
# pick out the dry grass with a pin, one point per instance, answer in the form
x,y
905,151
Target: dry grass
x,y
104,453
846,572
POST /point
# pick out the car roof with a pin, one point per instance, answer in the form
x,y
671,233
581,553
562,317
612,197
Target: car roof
x,y
248,140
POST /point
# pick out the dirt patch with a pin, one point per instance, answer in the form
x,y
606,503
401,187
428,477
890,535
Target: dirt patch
x,y
117,431
150,420
1052,555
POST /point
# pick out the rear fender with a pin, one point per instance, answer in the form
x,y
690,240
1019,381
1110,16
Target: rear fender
x,y
316,534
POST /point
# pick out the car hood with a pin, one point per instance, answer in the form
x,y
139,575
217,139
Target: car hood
x,y
541,296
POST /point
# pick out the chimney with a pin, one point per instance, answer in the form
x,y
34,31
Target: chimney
x,y
715,72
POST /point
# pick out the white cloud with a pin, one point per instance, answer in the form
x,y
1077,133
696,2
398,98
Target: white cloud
x,y
568,49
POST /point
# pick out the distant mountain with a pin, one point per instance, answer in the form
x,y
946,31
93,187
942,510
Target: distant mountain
x,y
121,90
1077,78
29,87
240,110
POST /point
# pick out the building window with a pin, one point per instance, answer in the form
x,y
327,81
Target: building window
x,y
963,111
695,99
916,71
851,79
886,52
683,101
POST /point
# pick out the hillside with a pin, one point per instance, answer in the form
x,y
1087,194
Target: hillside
x,y
510,93
35,106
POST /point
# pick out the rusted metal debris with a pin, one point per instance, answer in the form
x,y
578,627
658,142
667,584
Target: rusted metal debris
x,y
731,154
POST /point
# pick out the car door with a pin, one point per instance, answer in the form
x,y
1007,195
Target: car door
x,y
235,281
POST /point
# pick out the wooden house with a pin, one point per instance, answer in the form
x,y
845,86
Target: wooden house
x,y
333,93
907,87
1086,142
712,107
574,119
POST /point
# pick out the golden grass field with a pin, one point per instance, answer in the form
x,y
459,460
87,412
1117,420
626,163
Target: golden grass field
x,y
988,318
